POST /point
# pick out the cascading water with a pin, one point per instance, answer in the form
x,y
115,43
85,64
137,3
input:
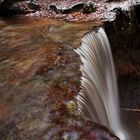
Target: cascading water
x,y
98,97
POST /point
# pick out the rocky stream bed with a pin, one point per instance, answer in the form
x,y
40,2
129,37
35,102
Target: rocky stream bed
x,y
39,70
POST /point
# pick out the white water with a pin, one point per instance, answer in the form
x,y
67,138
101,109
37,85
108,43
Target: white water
x,y
98,97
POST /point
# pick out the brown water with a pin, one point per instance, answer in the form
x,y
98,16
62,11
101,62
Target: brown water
x,y
39,79
37,68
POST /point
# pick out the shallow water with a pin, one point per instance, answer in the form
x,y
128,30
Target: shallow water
x,y
131,121
37,67
39,78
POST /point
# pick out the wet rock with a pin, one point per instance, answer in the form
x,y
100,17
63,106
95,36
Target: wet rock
x,y
85,8
124,38
89,7
14,7
39,75
34,5
5,7
129,91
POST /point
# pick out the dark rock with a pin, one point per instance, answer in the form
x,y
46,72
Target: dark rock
x,y
129,91
89,8
137,11
124,36
6,8
85,8
33,5
125,28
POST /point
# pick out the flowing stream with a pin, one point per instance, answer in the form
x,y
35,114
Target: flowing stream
x,y
98,98
38,66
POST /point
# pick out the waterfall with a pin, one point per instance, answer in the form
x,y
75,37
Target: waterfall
x,y
98,97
